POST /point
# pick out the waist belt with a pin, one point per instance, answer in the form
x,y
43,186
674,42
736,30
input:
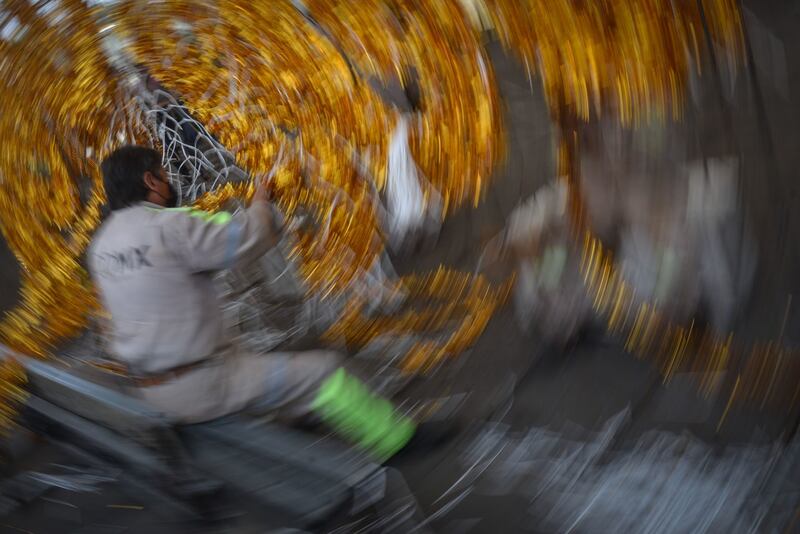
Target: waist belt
x,y
156,379
150,381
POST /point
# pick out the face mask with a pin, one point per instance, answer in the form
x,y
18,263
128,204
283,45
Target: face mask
x,y
172,200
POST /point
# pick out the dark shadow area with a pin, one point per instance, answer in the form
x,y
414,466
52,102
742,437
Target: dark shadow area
x,y
9,278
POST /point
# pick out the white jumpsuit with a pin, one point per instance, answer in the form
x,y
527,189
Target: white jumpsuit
x,y
153,268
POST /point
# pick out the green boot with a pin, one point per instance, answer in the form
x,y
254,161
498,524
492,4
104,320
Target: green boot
x,y
345,403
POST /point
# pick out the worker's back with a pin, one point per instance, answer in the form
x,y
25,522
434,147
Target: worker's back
x,y
163,314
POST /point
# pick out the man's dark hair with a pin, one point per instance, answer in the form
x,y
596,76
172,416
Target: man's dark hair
x,y
123,174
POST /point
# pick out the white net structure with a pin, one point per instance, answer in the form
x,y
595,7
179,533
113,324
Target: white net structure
x,y
268,305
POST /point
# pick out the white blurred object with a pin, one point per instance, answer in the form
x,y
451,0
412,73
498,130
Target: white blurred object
x,y
549,296
661,269
411,211
540,212
405,199
478,14
686,244
728,258
713,189
658,248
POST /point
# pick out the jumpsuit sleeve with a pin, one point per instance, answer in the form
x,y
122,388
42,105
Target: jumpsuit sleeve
x,y
540,212
215,241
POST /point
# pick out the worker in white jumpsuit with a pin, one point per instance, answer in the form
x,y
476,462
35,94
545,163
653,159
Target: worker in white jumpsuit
x,y
682,245
153,266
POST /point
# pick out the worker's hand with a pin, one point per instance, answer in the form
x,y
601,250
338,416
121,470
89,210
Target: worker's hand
x,y
263,191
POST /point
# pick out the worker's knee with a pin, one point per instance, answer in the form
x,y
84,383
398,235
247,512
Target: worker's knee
x,y
316,366
294,380
330,361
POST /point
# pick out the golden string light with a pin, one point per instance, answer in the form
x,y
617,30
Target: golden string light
x,y
437,300
633,60
266,83
334,113
42,217
768,377
459,97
